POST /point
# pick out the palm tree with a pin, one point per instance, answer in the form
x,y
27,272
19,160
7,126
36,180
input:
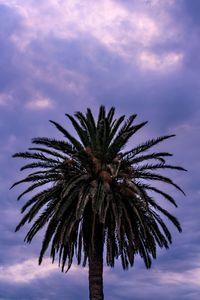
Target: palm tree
x,y
97,196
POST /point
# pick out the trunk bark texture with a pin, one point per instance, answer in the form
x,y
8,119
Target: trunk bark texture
x,y
96,265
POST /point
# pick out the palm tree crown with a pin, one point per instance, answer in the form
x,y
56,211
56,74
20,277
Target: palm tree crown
x,y
97,190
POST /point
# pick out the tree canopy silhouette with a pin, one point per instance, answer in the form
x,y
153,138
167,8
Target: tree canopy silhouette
x,y
96,195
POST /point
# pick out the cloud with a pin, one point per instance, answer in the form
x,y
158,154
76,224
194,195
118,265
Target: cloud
x,y
27,271
151,61
156,283
5,99
69,50
125,32
105,20
40,103
188,277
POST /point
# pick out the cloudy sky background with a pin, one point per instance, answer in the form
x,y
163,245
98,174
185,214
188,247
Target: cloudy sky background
x,y
59,56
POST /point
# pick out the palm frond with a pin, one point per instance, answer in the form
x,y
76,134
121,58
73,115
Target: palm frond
x,y
82,133
155,176
62,146
73,141
94,193
145,146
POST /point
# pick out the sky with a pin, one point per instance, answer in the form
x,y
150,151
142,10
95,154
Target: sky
x,y
59,57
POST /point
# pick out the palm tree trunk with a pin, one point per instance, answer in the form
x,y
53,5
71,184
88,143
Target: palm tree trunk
x,y
96,265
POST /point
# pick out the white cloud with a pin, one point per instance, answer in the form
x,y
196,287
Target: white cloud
x,y
124,32
107,21
5,99
39,103
151,61
190,277
186,277
58,77
29,270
